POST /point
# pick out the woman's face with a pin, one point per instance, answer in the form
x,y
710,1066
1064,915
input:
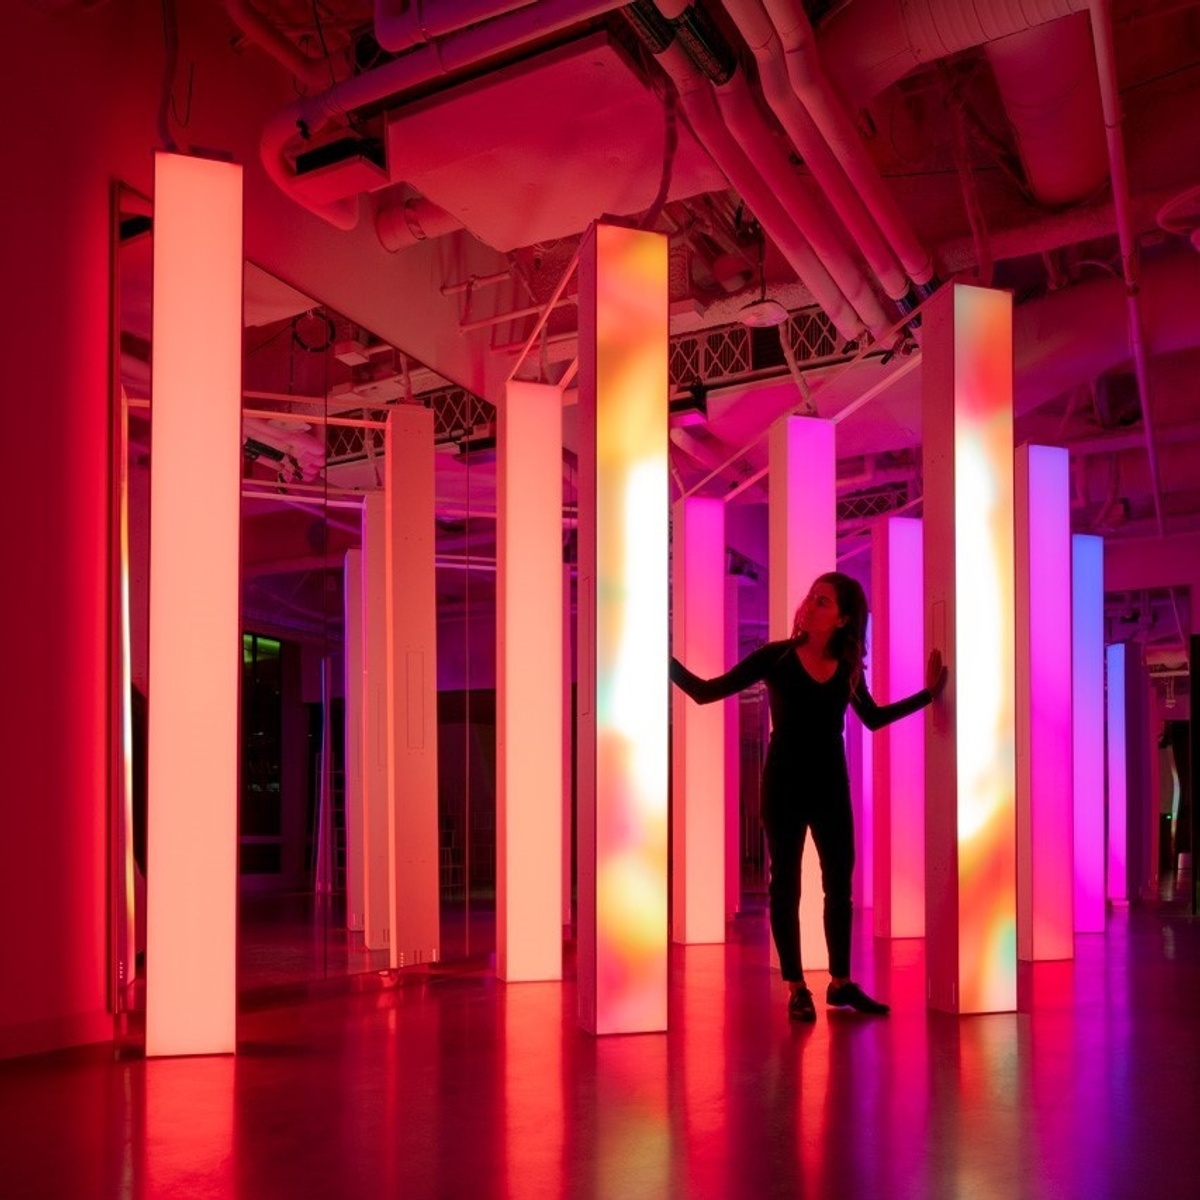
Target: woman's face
x,y
818,614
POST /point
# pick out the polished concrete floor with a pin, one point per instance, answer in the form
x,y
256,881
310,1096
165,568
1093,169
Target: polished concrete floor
x,y
443,1083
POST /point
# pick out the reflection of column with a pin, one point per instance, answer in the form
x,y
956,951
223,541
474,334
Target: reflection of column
x,y
195,658
188,1143
970,844
533,1103
377,853
698,749
353,739
1045,810
898,665
622,632
529,683
1087,708
412,686
803,544
1118,802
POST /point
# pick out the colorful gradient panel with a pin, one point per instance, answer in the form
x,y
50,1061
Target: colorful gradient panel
x,y
1045,785
898,665
623,644
195,648
970,847
1087,668
1118,776
698,751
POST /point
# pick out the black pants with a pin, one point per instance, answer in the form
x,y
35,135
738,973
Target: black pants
x,y
793,806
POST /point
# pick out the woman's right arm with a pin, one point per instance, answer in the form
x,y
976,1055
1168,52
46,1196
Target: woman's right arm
x,y
752,669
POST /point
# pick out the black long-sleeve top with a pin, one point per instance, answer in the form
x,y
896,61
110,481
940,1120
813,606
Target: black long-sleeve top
x,y
804,711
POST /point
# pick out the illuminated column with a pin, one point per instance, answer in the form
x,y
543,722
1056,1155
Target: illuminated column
x,y
898,666
1045,806
732,733
622,632
970,826
1118,803
1087,714
353,740
195,644
802,538
377,849
568,743
412,687
698,749
529,670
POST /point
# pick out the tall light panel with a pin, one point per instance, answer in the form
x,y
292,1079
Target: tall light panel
x,y
622,632
802,544
1087,672
1117,886
698,751
898,665
1045,784
970,828
529,775
195,648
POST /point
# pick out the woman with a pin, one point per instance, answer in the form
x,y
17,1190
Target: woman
x,y
811,679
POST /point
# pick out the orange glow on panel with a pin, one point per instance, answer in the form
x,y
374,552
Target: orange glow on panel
x,y
529,779
984,650
195,648
623,613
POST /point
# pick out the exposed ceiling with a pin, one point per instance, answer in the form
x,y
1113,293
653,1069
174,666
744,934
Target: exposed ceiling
x,y
842,159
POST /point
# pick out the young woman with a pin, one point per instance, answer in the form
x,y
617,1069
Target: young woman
x,y
811,678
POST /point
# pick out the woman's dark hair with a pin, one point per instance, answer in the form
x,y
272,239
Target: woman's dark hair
x,y
848,644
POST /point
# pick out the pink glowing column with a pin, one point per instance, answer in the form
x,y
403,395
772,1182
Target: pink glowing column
x,y
352,609
412,687
970,828
898,665
529,801
376,727
1045,792
1087,672
733,741
1118,775
802,540
698,751
622,632
195,647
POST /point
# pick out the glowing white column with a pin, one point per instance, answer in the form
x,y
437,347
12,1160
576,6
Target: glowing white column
x,y
1087,715
802,537
622,632
1045,805
970,825
529,804
412,686
898,665
352,608
377,848
698,751
195,647
1118,775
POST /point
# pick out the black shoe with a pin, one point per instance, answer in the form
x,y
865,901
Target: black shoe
x,y
850,995
801,1007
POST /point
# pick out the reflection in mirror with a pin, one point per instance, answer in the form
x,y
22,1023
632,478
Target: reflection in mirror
x,y
317,391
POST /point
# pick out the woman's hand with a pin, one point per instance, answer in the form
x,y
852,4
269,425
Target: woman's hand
x,y
935,674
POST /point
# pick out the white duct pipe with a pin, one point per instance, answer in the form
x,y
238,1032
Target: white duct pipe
x,y
402,24
700,109
422,65
311,72
746,123
401,225
810,83
760,36
1110,101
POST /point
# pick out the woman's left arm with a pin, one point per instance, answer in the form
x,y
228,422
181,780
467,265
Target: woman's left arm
x,y
876,716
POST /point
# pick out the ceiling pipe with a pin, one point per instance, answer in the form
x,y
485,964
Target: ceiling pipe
x,y
700,109
412,220
1110,101
812,86
432,61
256,29
759,35
402,24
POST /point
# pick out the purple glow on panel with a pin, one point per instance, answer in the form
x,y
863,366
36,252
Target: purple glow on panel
x,y
1087,667
1117,798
